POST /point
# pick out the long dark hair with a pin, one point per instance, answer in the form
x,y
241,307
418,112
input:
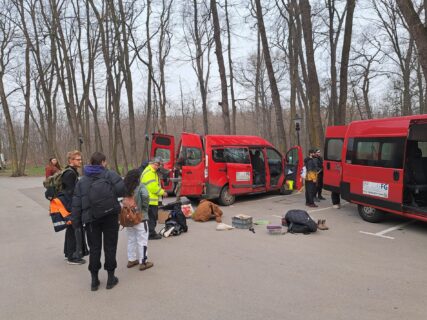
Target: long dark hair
x,y
131,181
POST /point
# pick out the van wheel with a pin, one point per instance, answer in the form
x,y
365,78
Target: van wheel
x,y
370,214
225,197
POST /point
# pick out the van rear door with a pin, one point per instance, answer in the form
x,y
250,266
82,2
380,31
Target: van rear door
x,y
332,167
163,146
239,170
191,150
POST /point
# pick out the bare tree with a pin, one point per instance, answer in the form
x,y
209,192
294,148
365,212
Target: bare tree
x,y
221,66
275,95
230,68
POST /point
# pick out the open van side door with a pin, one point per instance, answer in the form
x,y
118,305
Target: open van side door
x,y
193,168
240,175
332,162
294,161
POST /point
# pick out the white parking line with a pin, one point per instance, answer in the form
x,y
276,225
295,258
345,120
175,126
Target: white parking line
x,y
381,234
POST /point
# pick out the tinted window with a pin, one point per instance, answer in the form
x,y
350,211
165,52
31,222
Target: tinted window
x,y
274,162
163,141
231,155
380,152
333,149
193,156
292,157
163,153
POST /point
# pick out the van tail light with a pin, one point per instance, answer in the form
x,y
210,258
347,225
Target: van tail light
x,y
206,173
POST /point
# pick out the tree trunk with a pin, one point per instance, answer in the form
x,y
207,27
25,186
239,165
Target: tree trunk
x,y
275,95
221,66
230,67
315,120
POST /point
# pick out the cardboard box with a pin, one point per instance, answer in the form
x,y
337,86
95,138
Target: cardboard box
x,y
162,216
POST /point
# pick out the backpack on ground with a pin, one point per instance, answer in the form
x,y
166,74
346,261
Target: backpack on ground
x,y
176,223
102,199
53,184
299,221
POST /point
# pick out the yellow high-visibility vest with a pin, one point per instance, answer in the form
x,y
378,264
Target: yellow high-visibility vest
x,y
151,180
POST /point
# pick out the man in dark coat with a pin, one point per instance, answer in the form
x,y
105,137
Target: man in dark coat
x,y
69,179
99,211
319,162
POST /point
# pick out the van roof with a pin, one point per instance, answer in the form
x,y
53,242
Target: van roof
x,y
236,140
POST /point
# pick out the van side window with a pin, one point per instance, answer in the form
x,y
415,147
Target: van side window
x,y
163,153
231,155
333,149
378,152
193,156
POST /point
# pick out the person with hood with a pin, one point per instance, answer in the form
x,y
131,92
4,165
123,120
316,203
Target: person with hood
x,y
310,179
96,206
136,197
150,178
206,211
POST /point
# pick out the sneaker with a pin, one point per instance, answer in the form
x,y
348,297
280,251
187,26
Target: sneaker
x,y
132,263
145,265
76,261
321,198
155,236
336,206
168,232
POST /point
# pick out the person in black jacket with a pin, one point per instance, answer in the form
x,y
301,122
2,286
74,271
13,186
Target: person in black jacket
x,y
310,179
101,226
73,252
319,162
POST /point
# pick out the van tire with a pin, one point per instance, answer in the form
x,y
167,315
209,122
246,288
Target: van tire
x,y
370,214
225,198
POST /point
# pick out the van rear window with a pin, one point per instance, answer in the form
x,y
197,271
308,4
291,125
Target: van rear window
x,y
377,152
333,149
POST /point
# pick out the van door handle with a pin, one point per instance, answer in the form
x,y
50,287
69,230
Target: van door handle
x,y
396,175
222,170
189,172
328,165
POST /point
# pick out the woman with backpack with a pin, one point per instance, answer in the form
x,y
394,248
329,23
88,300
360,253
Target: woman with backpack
x,y
136,197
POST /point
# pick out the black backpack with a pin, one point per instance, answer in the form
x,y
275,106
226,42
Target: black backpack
x,y
102,199
299,221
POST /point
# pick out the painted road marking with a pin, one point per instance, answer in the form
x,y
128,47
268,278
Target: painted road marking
x,y
381,234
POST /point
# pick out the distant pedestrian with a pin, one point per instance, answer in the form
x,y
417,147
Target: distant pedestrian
x,y
310,179
52,167
95,204
151,180
136,197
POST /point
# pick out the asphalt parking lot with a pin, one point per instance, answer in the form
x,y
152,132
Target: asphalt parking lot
x,y
355,270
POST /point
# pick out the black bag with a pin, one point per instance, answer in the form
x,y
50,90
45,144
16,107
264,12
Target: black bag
x,y
179,217
299,221
102,199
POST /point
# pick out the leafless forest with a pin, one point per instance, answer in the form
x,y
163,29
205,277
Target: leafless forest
x,y
103,75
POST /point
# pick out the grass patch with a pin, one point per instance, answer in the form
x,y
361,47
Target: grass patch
x,y
31,171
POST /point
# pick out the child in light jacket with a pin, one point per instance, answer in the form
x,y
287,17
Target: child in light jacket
x,y
137,197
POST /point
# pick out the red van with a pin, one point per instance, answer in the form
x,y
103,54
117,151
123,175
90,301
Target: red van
x,y
379,164
225,166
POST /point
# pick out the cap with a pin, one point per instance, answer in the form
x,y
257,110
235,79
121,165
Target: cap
x,y
156,160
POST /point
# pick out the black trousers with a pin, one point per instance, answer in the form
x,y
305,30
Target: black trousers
x,y
153,213
70,242
335,198
310,191
319,184
104,230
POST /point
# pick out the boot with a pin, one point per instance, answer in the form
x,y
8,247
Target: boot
x,y
95,281
319,222
322,225
112,280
